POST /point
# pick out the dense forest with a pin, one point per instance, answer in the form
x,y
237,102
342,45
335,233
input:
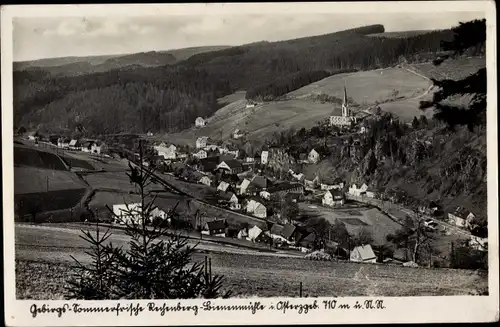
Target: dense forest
x,y
169,98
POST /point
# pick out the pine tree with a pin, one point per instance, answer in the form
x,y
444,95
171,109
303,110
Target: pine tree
x,y
415,123
467,36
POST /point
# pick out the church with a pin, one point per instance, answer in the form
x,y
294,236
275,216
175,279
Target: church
x,y
346,118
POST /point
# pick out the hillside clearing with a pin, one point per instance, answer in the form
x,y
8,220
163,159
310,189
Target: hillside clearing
x,y
367,87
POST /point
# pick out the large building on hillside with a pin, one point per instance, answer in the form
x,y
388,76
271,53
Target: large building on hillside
x,y
346,119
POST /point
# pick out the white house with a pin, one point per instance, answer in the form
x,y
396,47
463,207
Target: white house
x,y
167,152
354,190
363,253
249,159
202,154
97,147
264,157
242,234
333,198
232,166
250,105
313,157
201,142
256,208
253,233
199,122
123,215
478,243
205,180
237,134
326,187
265,195
63,142
461,217
244,185
75,145
223,186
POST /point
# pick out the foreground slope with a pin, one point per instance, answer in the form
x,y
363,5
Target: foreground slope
x,y
246,274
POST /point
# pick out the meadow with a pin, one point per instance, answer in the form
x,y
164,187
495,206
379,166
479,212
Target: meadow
x,y
397,89
367,87
271,276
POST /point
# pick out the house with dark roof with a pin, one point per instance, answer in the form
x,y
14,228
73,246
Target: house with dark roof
x,y
231,199
261,182
333,198
232,166
307,241
283,188
291,233
208,165
216,228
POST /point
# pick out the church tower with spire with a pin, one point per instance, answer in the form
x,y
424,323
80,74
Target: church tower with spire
x,y
345,107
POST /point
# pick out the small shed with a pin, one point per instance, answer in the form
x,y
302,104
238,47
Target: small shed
x,y
363,253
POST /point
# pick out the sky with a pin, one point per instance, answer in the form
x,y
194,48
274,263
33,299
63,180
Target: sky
x,y
36,38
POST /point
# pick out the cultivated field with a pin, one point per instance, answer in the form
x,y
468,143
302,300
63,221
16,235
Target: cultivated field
x,y
355,219
36,180
246,273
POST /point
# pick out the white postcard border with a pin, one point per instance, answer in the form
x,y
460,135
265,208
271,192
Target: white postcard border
x,y
398,309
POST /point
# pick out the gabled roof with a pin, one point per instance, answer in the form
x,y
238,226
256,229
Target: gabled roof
x,y
308,239
232,163
223,186
365,252
226,195
288,231
245,183
276,229
461,212
216,224
261,181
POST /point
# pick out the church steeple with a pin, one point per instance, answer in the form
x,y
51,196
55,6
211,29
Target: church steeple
x,y
345,106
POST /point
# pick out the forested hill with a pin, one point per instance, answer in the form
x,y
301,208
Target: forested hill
x,y
169,98
70,66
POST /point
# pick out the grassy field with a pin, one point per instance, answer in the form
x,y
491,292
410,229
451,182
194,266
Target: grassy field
x,y
402,34
368,86
451,69
365,88
46,255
